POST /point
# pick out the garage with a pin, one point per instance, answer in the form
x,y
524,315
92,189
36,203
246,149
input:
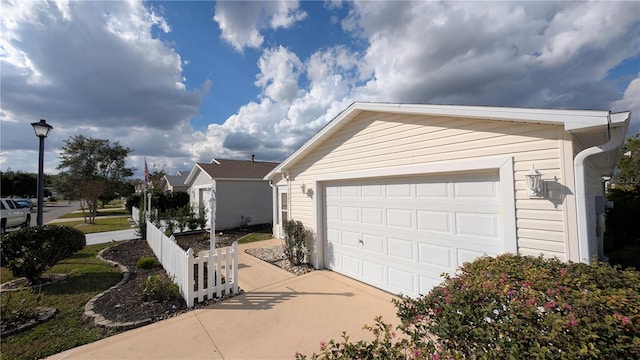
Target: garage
x,y
401,233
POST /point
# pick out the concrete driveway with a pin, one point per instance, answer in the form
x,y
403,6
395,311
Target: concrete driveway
x,y
278,315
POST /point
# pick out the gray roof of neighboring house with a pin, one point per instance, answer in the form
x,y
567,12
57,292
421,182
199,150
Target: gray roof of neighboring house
x,y
236,169
176,180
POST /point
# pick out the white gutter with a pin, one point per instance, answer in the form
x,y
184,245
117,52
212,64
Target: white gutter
x,y
616,140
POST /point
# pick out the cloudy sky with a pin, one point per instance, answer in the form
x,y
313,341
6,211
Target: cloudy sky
x,y
181,82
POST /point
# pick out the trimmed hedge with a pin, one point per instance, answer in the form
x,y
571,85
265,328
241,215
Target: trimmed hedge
x,y
515,307
29,252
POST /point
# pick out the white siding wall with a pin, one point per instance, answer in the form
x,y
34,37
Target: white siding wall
x,y
378,140
201,181
238,199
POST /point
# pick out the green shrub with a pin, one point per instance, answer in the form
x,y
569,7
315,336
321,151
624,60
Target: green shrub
x,y
157,288
517,307
31,251
622,220
192,220
295,241
202,216
147,263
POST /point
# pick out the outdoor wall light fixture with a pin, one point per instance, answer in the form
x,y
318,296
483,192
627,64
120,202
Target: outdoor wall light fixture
x,y
535,184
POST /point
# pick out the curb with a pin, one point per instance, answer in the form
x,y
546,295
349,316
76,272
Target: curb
x,y
100,320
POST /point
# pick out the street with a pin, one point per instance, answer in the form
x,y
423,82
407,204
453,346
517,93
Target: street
x,y
51,212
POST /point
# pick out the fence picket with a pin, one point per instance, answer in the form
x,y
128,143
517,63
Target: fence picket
x,y
180,266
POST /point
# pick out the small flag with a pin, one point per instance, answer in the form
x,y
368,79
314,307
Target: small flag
x,y
147,178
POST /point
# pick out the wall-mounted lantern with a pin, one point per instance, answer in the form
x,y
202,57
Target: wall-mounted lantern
x,y
535,184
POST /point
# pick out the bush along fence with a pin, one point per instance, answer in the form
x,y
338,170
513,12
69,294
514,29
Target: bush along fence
x,y
202,276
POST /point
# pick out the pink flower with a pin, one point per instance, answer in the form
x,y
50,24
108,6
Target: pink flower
x,y
416,353
625,320
563,271
393,334
435,357
572,321
323,345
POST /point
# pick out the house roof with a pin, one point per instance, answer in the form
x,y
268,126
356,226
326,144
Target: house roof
x,y
232,169
176,180
589,127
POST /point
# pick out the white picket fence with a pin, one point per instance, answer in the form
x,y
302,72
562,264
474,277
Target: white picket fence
x,y
135,214
201,276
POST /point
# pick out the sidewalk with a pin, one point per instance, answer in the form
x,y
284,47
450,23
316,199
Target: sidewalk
x,y
279,314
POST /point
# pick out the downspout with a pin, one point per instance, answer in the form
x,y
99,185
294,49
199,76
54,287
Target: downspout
x,y
616,139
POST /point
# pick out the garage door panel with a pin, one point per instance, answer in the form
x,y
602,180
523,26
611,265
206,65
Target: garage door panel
x,y
429,220
400,218
373,216
399,191
435,255
401,234
432,190
428,283
350,264
475,190
332,212
350,214
373,272
401,248
373,243
475,224
349,191
372,191
402,281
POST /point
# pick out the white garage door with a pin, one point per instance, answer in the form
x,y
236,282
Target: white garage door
x,y
401,234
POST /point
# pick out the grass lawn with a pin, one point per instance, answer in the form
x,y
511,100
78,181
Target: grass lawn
x,y
264,234
101,212
88,276
101,225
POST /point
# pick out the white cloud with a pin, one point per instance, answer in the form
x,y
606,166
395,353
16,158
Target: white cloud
x,y
530,54
279,71
630,102
241,23
92,68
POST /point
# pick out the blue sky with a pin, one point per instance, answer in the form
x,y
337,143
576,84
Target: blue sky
x,y
182,82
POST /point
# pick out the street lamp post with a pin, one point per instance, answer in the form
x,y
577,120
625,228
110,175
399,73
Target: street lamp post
x,y
42,130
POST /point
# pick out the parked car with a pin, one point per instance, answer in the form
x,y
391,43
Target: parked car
x,y
13,215
24,203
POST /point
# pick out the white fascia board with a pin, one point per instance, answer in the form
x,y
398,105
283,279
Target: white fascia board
x,y
572,119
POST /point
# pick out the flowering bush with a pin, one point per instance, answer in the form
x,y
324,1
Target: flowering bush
x,y
520,307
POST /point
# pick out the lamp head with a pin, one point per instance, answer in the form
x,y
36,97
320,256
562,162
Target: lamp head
x,y
41,128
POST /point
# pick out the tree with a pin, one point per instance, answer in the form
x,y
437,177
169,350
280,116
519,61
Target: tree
x,y
628,168
18,183
92,167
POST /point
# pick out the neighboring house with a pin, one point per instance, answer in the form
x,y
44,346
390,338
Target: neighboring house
x,y
174,183
396,194
242,196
